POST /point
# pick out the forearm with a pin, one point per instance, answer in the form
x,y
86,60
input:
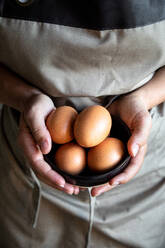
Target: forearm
x,y
14,92
154,91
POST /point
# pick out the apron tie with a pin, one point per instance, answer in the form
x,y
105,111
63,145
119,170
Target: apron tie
x,y
91,217
37,198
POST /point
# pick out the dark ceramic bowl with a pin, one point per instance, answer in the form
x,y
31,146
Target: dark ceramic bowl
x,y
87,178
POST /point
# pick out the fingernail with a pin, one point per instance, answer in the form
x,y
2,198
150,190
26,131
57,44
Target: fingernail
x,y
61,185
70,192
76,192
83,189
135,149
44,145
115,183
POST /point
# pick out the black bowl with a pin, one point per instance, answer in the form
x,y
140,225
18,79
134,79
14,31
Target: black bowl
x,y
87,178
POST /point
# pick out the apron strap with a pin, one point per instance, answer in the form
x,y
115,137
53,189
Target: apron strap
x,y
37,193
91,217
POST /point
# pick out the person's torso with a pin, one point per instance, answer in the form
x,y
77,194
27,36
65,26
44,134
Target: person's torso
x,y
83,49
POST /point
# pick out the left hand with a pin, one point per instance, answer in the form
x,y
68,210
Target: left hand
x,y
132,109
35,140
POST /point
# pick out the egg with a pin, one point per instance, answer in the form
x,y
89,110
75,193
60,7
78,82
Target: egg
x,y
92,126
60,124
70,158
105,155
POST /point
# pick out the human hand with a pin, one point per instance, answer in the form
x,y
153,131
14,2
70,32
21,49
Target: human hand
x,y
132,109
35,140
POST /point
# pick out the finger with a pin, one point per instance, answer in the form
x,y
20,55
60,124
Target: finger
x,y
35,156
76,190
131,170
50,183
53,177
71,189
68,188
41,168
96,191
83,189
140,127
36,123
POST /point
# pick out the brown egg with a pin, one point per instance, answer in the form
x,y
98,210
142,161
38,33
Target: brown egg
x,y
105,155
60,124
92,126
71,158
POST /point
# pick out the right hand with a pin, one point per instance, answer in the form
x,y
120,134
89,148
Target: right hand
x,y
34,139
132,109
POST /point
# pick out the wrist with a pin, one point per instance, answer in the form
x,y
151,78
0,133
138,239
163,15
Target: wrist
x,y
14,90
28,98
141,95
153,92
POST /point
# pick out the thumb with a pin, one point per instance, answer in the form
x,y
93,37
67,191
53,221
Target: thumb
x,y
40,132
140,126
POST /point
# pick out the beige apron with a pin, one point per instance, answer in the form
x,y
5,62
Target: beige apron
x,y
81,67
